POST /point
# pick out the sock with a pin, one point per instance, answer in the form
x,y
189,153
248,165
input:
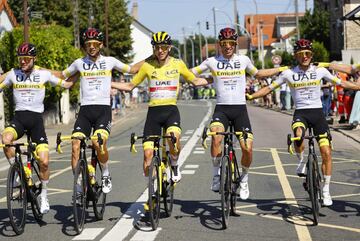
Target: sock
x,y
326,187
173,160
244,174
105,168
44,188
216,165
300,156
11,160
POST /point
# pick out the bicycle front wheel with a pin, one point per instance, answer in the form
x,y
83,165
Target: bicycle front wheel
x,y
225,190
16,198
35,191
313,188
99,201
79,195
168,187
154,192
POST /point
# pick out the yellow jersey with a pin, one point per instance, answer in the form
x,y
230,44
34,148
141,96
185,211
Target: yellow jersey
x,y
163,80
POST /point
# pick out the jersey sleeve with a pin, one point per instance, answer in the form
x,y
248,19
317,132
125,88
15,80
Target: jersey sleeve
x,y
204,66
329,77
184,71
7,81
141,75
120,66
279,81
72,69
54,81
250,68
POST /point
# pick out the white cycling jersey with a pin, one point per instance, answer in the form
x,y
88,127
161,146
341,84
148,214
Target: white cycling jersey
x,y
95,78
29,90
229,77
305,86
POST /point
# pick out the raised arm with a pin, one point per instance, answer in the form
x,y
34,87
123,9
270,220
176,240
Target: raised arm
x,y
345,68
350,85
262,73
260,93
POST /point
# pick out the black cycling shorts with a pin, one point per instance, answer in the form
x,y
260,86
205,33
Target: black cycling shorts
x,y
30,122
159,117
312,117
93,117
237,114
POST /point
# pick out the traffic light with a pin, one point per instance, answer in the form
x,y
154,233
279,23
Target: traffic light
x,y
207,25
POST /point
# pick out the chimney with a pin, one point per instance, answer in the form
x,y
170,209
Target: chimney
x,y
134,10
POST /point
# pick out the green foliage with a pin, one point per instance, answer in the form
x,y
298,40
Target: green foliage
x,y
55,51
315,26
320,52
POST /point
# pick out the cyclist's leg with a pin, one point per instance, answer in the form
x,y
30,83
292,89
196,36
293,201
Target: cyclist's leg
x,y
173,125
299,126
219,123
321,127
11,133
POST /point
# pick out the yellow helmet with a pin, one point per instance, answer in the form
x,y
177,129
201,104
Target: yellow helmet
x,y
161,38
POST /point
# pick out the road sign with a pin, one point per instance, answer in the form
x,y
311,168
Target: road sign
x,y
276,59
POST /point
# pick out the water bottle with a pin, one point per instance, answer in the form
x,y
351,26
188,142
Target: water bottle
x,y
91,171
28,175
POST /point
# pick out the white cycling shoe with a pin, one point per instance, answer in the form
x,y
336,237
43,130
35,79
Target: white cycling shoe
x,y
301,169
106,184
44,205
215,186
176,174
244,190
327,201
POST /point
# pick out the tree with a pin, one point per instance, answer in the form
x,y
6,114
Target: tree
x,y
321,54
315,26
55,51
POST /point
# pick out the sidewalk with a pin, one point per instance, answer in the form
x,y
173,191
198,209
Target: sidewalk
x,y
344,129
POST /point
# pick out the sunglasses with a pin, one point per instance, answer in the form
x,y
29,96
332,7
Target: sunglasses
x,y
304,53
224,43
26,59
94,44
162,47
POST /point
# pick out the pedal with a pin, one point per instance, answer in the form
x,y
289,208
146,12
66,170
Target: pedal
x,y
305,186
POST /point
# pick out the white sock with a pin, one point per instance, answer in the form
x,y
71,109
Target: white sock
x,y
11,160
244,174
105,168
326,187
216,165
44,188
216,171
300,156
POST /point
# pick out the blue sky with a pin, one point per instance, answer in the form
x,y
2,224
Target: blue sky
x,y
173,15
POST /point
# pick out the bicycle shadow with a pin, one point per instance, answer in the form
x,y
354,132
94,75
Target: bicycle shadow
x,y
346,208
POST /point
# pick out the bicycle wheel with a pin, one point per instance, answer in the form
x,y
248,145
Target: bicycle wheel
x,y
168,187
99,198
79,195
225,190
235,179
154,192
35,191
312,187
16,198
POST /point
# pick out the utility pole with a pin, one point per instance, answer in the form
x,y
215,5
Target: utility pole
x,y
91,14
214,28
236,19
76,24
297,19
26,21
185,57
200,44
107,26
306,5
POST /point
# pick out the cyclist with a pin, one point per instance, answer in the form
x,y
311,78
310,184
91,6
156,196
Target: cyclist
x,y
163,72
28,85
95,83
228,70
305,84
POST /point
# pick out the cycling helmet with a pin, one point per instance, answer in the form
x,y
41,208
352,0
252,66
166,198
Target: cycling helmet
x,y
161,38
227,34
26,49
302,44
92,34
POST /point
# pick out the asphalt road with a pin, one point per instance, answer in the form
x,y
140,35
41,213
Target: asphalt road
x,y
278,207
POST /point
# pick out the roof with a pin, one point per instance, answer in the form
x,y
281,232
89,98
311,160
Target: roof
x,y
352,15
136,22
5,6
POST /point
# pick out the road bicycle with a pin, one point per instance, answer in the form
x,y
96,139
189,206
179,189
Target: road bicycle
x,y
87,184
230,177
23,185
160,184
313,175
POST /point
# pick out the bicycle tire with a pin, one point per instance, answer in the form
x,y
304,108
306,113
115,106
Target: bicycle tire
x,y
154,192
168,187
312,187
99,197
79,196
35,191
225,190
16,186
235,178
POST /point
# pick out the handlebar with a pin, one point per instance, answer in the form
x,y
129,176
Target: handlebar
x,y
60,139
31,145
290,139
207,133
134,138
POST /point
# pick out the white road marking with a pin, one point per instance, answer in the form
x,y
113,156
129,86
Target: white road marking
x,y
145,236
189,132
188,172
89,234
199,152
199,148
191,166
126,223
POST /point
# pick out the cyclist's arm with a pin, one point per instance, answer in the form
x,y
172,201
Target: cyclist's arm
x,y
262,73
199,82
260,93
136,67
345,68
267,89
69,82
123,86
345,84
3,76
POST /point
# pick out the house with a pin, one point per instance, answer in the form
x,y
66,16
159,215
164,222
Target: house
x,y
7,18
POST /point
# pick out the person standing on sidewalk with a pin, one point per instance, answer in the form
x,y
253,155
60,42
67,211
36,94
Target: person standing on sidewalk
x,y
229,72
305,83
28,83
95,84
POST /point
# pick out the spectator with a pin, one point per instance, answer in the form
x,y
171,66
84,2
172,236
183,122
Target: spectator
x,y
283,96
354,119
326,97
